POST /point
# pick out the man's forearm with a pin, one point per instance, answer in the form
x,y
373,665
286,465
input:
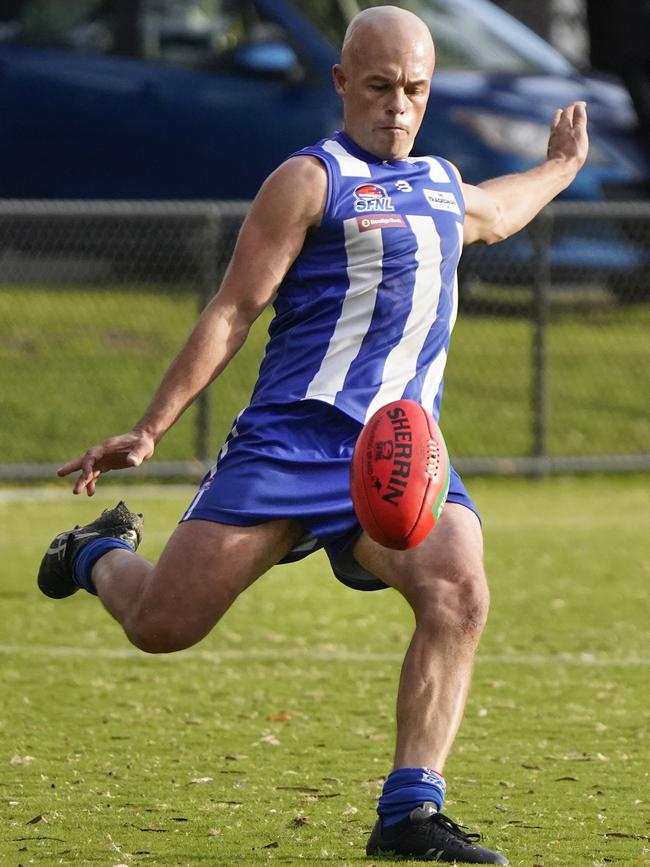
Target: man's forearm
x,y
209,348
520,197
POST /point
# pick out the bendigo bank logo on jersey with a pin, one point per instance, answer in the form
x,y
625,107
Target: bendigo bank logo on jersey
x,y
371,197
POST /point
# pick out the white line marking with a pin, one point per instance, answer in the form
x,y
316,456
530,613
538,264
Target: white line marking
x,y
585,660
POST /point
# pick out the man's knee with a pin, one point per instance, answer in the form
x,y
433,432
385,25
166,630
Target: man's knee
x,y
159,635
203,569
469,600
160,627
453,597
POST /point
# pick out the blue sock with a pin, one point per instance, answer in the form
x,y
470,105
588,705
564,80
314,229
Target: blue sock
x,y
90,554
408,788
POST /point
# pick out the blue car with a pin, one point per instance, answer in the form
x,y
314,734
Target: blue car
x,y
172,99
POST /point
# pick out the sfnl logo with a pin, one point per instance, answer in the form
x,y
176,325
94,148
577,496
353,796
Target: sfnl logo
x,y
371,197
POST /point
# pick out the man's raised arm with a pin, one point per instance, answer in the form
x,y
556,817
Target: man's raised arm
x,y
290,201
498,208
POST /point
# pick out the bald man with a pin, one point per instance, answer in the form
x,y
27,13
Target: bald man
x,y
358,244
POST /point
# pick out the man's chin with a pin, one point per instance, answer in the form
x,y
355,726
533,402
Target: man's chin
x,y
394,145
396,154
391,153
385,145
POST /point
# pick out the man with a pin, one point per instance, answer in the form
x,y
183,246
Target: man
x,y
360,242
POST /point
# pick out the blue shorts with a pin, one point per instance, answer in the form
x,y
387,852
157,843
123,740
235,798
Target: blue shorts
x,y
293,461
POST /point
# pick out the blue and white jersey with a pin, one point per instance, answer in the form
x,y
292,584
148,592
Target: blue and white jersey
x,y
365,313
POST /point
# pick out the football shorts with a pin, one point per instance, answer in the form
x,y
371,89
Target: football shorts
x,y
292,461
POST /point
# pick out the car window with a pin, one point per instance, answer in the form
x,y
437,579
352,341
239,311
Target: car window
x,y
199,34
85,26
469,34
202,34
477,35
464,42
331,17
77,24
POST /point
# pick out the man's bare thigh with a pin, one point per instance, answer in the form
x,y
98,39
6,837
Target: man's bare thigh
x,y
453,548
206,565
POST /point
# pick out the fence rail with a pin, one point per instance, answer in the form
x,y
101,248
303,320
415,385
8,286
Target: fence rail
x,y
549,369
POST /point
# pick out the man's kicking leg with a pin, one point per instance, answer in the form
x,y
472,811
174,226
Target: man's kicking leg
x,y
176,602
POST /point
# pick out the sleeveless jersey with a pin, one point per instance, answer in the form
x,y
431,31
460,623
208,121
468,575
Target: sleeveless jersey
x,y
365,313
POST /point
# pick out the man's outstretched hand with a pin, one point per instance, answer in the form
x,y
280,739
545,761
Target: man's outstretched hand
x,y
115,453
568,139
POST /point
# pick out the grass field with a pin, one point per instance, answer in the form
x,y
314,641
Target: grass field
x,y
269,741
81,365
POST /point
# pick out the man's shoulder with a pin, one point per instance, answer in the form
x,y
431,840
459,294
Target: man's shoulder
x,y
297,188
320,147
299,169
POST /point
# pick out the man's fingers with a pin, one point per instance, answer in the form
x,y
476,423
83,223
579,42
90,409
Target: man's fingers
x,y
568,138
580,114
88,466
80,485
127,450
574,114
70,467
86,482
90,459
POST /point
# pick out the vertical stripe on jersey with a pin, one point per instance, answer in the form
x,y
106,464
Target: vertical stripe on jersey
x,y
437,171
401,361
350,166
433,381
365,253
432,388
454,310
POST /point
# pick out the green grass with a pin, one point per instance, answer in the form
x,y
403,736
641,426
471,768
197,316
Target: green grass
x,y
78,366
268,742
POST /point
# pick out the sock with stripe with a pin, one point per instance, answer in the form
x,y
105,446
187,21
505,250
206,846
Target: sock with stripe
x,y
89,555
408,788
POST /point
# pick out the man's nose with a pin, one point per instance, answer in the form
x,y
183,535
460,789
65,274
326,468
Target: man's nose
x,y
397,101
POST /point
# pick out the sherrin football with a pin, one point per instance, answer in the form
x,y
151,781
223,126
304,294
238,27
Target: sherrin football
x,y
399,475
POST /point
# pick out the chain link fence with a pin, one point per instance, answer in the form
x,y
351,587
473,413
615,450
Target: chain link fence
x,y
549,368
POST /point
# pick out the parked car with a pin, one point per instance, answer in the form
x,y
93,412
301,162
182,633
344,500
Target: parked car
x,y
172,99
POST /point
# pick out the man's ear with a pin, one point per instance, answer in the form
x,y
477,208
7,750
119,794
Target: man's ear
x,y
338,76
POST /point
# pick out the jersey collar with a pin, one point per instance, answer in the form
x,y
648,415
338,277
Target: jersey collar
x,y
352,147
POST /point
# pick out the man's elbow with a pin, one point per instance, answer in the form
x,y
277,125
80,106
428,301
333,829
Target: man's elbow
x,y
497,230
494,237
490,230
488,235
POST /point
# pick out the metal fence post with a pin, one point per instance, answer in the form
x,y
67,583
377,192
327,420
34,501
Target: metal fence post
x,y
542,232
207,286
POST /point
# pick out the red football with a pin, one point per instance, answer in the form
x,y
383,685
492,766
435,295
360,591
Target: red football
x,y
399,475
